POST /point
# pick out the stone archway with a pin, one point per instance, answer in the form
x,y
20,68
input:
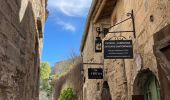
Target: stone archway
x,y
105,95
146,86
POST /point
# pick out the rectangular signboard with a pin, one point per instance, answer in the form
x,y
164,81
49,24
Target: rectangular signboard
x,y
95,73
118,49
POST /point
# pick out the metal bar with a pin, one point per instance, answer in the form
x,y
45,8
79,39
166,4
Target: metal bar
x,y
133,26
94,63
120,22
104,72
105,24
120,31
133,23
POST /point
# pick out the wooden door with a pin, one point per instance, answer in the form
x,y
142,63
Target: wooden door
x,y
138,97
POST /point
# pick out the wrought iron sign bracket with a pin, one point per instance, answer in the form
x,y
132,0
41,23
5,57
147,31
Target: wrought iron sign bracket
x,y
106,30
93,63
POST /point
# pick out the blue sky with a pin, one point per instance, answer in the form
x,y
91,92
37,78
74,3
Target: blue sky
x,y
64,28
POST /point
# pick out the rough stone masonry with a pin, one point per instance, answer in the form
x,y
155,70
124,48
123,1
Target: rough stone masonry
x,y
21,33
147,75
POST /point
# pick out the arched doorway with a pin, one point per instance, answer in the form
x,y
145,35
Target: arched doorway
x,y
146,86
105,95
152,89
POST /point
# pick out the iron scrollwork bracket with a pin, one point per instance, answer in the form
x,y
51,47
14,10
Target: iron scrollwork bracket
x,y
106,30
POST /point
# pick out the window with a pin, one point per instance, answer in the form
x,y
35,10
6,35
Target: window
x,y
39,27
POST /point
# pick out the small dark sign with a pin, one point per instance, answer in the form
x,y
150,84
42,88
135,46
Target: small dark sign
x,y
95,73
118,49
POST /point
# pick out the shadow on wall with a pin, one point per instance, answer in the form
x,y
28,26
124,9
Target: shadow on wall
x,y
162,52
17,63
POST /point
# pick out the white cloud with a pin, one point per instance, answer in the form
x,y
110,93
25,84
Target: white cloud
x,y
66,26
70,7
69,26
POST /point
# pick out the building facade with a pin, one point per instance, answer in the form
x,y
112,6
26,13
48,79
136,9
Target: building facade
x,y
147,75
21,37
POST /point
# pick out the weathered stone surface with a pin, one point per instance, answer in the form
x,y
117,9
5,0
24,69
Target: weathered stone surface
x,y
19,51
121,75
71,78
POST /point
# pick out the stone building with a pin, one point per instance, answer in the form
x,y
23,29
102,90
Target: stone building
x,y
21,34
147,75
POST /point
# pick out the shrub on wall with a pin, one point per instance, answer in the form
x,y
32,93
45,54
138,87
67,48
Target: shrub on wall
x,y
67,94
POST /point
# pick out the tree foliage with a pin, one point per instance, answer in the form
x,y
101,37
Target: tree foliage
x,y
47,87
45,70
67,94
53,77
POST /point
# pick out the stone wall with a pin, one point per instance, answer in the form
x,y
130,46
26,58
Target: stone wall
x,y
20,48
72,78
89,88
121,75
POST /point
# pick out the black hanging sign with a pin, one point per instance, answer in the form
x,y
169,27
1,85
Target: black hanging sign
x,y
118,49
95,73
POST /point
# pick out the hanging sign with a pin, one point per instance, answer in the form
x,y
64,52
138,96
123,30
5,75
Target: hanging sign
x,y
118,49
95,73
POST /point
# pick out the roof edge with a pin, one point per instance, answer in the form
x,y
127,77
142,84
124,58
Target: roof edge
x,y
92,8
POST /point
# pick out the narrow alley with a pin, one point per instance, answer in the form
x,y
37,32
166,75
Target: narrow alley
x,y
84,49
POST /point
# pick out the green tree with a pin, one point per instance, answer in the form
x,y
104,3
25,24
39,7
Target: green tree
x,y
45,70
46,86
53,77
67,94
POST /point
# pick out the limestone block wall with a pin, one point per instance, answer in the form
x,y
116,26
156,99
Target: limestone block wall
x,y
20,48
150,17
72,78
90,91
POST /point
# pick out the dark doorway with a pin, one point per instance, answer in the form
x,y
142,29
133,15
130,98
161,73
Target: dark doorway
x,y
146,86
138,97
106,92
